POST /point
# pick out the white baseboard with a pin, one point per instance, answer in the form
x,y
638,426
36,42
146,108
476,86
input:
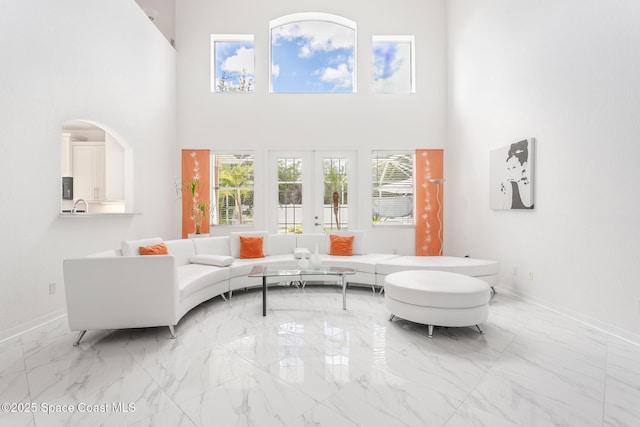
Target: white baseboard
x,y
607,328
32,324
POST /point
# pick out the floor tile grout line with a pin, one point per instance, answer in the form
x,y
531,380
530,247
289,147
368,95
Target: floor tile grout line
x,y
26,376
492,368
159,387
606,380
486,374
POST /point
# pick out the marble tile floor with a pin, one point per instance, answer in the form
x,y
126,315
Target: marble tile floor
x,y
309,363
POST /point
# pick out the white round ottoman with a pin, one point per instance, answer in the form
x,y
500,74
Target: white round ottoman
x,y
437,298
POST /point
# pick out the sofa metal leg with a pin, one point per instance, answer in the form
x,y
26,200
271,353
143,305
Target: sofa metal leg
x,y
80,335
223,297
173,332
381,289
480,329
430,331
392,317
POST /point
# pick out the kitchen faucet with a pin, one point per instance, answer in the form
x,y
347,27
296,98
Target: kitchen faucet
x,y
75,206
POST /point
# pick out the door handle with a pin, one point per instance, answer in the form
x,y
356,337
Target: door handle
x,y
317,224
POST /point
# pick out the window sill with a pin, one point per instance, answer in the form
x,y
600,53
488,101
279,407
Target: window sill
x,y
393,225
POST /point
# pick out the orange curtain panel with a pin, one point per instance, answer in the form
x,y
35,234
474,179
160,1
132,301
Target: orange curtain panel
x,y
196,197
429,197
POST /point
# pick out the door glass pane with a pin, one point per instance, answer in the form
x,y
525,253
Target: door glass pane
x,y
336,205
289,196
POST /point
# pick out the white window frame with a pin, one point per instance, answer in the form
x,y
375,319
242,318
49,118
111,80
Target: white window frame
x,y
411,154
228,38
212,188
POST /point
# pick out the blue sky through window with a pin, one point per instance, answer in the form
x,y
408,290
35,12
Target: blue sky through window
x,y
234,66
312,57
392,67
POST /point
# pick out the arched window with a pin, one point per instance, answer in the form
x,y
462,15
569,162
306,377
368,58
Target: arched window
x,y
312,53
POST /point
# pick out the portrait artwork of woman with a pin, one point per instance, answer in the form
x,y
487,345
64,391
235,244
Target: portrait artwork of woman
x,y
514,182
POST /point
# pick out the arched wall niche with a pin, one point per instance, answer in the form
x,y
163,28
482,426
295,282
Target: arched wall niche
x,y
97,167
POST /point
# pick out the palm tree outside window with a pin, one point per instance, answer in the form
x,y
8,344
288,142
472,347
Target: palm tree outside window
x,y
232,178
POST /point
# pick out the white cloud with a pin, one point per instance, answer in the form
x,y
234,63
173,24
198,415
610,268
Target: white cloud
x,y
241,60
275,70
399,81
318,36
340,76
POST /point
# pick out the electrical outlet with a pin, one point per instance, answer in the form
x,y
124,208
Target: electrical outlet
x,y
52,288
531,275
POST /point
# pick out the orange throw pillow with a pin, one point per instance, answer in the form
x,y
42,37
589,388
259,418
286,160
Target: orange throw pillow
x,y
341,245
251,247
159,249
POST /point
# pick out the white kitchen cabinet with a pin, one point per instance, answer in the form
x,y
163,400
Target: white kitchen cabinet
x,y
88,167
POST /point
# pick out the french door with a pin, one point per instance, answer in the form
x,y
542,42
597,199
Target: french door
x,y
309,191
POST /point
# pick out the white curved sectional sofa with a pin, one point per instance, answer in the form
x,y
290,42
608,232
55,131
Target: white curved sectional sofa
x,y
119,288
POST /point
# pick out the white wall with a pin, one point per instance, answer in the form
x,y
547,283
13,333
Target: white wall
x,y
565,72
76,59
363,121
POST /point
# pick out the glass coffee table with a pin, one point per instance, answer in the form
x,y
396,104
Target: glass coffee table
x,y
294,273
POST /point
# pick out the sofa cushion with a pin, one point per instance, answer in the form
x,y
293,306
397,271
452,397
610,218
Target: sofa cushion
x,y
469,266
195,277
362,263
131,247
181,249
216,260
280,244
242,267
341,245
251,247
358,239
234,241
310,241
218,245
157,249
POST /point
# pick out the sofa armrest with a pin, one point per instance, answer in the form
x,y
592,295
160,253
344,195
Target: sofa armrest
x,y
121,292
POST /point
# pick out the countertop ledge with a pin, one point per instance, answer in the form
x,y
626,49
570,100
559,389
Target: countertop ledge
x,y
96,215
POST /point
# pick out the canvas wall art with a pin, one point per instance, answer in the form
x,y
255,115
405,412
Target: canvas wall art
x,y
511,176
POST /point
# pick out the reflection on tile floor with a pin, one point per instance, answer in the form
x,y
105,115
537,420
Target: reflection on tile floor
x,y
310,363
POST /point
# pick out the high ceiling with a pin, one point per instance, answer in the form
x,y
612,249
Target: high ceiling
x,y
162,14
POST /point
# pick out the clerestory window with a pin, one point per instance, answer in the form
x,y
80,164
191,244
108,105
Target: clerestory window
x,y
393,64
232,63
